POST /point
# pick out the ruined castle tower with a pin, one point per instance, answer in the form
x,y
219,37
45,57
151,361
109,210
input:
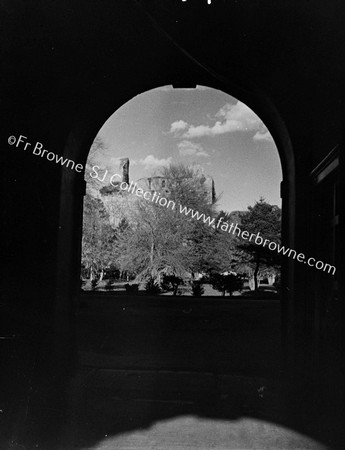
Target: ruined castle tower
x,y
124,166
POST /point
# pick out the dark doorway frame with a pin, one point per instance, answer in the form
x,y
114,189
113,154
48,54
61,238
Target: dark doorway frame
x,y
86,126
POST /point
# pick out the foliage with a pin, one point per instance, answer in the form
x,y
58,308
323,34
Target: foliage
x,y
226,283
186,187
109,284
111,273
197,288
98,237
97,153
98,234
152,245
160,241
171,283
131,288
163,245
152,287
258,261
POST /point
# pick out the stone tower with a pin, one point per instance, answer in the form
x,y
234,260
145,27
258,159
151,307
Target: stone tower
x,y
124,166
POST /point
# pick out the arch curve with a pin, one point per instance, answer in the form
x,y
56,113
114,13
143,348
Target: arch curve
x,y
86,126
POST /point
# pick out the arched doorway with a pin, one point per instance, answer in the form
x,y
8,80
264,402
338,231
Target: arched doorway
x,y
71,219
215,137
78,145
73,189
223,146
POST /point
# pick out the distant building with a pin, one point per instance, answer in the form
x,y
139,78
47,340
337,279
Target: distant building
x,y
155,184
161,184
118,202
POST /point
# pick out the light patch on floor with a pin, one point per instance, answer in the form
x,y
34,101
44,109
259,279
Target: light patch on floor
x,y
190,432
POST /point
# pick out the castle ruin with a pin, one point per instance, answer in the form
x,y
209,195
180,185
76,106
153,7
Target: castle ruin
x,y
119,203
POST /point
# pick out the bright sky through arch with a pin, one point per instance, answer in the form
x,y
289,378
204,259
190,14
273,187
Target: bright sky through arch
x,y
204,127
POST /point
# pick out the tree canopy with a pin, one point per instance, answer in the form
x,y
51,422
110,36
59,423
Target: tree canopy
x,y
157,241
98,237
256,260
160,241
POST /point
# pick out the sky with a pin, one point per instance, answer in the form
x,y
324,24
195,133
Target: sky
x,y
202,127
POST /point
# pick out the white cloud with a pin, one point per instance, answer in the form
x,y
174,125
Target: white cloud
x,y
263,136
188,148
178,126
151,162
230,118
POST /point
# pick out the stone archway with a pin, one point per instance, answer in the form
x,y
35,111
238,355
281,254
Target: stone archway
x,y
81,136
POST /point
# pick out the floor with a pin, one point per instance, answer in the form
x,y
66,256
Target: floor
x,y
167,373
187,374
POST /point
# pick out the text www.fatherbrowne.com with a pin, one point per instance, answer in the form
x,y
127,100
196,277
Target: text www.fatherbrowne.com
x,y
257,239
38,150
224,226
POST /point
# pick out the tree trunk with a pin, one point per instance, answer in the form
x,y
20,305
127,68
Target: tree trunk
x,y
151,258
151,253
256,271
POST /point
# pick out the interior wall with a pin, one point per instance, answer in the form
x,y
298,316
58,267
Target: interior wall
x,y
68,66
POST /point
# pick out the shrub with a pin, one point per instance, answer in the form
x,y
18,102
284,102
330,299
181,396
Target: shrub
x,y
171,283
111,273
197,289
109,285
132,288
152,287
94,283
226,283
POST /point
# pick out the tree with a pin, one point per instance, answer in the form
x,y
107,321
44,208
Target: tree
x,y
226,283
220,249
98,237
259,261
186,187
160,241
97,152
152,245
171,283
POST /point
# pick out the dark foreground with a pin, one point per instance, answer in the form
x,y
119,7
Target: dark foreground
x,y
180,373
165,373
